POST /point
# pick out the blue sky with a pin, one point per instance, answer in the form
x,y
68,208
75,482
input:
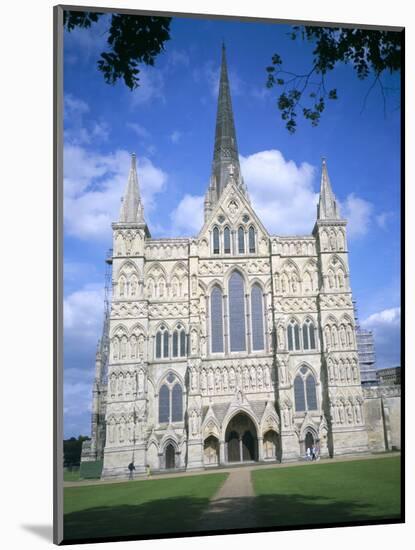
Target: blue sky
x,y
169,123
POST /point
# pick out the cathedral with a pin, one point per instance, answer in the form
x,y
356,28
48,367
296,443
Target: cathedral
x,y
234,345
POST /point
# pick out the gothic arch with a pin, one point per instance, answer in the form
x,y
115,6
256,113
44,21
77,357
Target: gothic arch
x,y
242,409
231,270
119,330
163,378
137,329
128,266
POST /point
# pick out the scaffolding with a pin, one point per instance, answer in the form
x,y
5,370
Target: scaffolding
x,y
366,352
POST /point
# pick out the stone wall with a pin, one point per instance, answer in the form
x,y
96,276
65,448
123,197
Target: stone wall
x,y
382,406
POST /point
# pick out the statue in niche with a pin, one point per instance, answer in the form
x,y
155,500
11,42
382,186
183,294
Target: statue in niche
x,y
332,240
193,379
281,371
277,282
343,336
174,288
140,381
286,417
332,412
115,348
128,243
327,336
342,373
203,346
225,379
194,423
141,345
120,384
232,378
246,378
341,413
349,336
298,248
111,429
331,279
260,376
253,377
349,412
119,245
340,278
284,283
334,336
324,240
203,381
270,319
336,371
122,286
348,373
210,379
133,286
193,342
331,371
121,431
150,289
161,289
133,346
294,283
281,338
267,379
340,240
358,412
355,372
127,385
123,347
217,380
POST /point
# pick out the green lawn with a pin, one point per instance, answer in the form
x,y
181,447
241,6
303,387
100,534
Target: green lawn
x,y
70,476
138,507
328,493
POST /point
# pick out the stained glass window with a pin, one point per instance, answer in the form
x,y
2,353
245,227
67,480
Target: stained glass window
x,y
299,396
311,393
164,403
251,235
227,240
215,240
177,404
241,240
236,312
216,320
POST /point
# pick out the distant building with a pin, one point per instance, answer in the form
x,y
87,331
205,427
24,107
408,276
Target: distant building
x,y
366,352
389,377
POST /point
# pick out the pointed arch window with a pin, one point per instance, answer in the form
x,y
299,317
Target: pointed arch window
x,y
179,342
162,343
309,340
293,336
251,237
237,312
216,318
216,248
171,400
305,392
241,240
227,240
164,403
257,318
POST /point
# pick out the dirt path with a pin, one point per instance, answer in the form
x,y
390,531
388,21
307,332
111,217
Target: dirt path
x,y
233,505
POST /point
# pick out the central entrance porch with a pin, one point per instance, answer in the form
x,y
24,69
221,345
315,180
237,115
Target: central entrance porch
x,y
241,443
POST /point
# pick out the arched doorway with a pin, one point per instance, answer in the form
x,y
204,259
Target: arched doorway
x,y
211,451
309,441
241,439
270,445
170,457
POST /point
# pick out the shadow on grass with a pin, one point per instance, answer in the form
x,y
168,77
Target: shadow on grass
x,y
189,514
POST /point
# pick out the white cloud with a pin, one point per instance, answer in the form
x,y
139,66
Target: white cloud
x,y
94,185
139,130
358,213
79,130
187,217
175,136
151,86
210,74
281,192
177,57
386,327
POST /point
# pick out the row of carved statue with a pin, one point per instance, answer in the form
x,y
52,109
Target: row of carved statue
x,y
227,379
346,411
344,371
126,385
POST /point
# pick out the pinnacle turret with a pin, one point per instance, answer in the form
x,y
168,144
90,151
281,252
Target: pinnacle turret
x,y
131,208
327,207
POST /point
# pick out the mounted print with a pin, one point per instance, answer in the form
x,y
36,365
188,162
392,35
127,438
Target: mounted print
x,y
228,270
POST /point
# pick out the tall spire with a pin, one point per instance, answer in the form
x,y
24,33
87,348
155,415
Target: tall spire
x,y
226,148
131,207
327,206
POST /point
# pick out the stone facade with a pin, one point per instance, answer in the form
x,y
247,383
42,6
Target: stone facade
x,y
232,345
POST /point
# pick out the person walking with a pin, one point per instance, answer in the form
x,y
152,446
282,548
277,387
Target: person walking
x,y
313,453
131,467
148,471
308,454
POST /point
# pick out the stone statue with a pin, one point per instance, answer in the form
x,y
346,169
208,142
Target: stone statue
x,y
203,381
358,412
133,286
210,379
332,240
140,381
141,345
193,379
340,278
120,384
281,339
294,283
225,379
331,279
246,378
193,341
252,377
112,384
232,378
115,348
122,286
267,379
194,421
327,335
260,376
133,346
349,411
342,336
217,380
